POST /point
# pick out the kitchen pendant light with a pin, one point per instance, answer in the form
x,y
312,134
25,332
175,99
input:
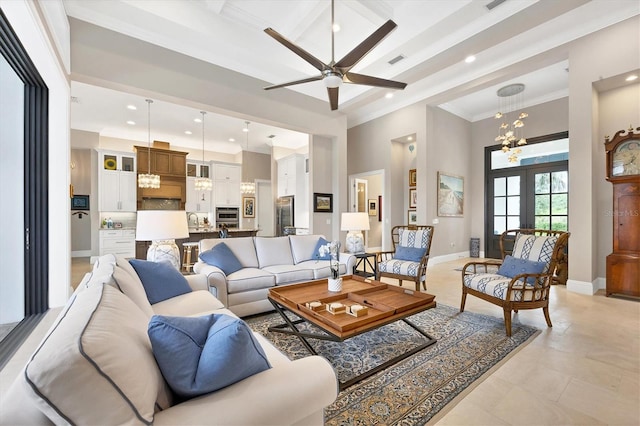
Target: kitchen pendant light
x,y
247,187
148,180
203,183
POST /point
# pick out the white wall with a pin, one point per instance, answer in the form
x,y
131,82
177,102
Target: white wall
x,y
11,194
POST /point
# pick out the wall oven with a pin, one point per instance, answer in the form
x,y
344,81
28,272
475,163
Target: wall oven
x,y
229,216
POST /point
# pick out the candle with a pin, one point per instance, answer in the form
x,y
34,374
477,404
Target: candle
x,y
315,304
335,305
355,308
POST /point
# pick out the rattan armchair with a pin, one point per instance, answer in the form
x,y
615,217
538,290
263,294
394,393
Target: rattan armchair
x,y
511,288
412,239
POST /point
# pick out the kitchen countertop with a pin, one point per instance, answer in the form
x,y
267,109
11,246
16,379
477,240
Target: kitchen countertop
x,y
215,230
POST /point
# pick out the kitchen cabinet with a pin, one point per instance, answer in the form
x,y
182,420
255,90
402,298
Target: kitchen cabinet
x,y
226,185
164,162
116,182
198,201
121,242
293,179
198,169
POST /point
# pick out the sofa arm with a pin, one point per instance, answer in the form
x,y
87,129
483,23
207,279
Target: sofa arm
x,y
197,282
281,395
216,279
349,260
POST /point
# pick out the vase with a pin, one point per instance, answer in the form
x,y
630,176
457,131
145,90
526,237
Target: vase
x,y
335,284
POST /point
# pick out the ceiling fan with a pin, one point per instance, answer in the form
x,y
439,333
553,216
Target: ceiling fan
x,y
335,73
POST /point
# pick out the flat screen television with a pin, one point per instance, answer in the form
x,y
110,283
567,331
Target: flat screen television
x,y
80,202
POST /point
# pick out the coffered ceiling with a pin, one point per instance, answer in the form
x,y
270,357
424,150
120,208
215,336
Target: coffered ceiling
x,y
513,41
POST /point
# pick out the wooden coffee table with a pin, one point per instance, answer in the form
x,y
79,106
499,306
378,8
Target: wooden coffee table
x,y
379,304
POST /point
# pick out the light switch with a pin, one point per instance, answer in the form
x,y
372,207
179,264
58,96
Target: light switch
x,y
328,221
436,221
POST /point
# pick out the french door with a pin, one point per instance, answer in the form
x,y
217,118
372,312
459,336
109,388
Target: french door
x,y
534,196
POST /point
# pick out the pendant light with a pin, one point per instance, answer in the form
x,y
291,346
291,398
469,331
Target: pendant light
x,y
247,187
203,183
511,130
148,180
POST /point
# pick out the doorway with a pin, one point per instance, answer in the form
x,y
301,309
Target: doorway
x,y
265,219
366,194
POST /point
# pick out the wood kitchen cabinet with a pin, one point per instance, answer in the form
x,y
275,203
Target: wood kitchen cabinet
x,y
164,162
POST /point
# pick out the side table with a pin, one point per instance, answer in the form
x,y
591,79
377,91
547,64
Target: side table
x,y
364,259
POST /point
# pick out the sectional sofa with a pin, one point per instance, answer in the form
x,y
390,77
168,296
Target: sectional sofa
x,y
96,366
265,262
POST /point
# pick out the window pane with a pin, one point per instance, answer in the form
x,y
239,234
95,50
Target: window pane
x,y
500,206
127,164
542,205
499,225
545,152
204,171
513,206
499,186
191,170
559,204
542,222
513,222
110,162
559,223
513,185
560,181
542,183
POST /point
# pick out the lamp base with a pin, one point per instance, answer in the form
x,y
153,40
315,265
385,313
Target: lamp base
x,y
164,251
354,242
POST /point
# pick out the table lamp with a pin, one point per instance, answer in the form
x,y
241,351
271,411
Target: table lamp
x,y
355,223
162,227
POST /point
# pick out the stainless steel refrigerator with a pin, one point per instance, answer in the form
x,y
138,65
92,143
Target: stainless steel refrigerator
x,y
284,215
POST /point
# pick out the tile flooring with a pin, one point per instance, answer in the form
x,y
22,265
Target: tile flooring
x,y
584,370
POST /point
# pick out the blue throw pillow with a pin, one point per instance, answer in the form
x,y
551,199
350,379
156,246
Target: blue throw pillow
x,y
512,266
161,281
198,355
412,254
316,251
221,256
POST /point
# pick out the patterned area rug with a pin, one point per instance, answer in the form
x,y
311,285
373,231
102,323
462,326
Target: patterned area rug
x,y
412,391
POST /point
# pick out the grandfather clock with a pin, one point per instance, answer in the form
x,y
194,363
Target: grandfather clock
x,y
623,171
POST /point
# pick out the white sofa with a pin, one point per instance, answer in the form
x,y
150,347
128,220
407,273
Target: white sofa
x,y
266,262
96,366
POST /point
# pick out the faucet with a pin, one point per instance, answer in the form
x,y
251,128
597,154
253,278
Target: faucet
x,y
189,218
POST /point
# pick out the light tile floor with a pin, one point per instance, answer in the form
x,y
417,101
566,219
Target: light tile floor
x,y
584,370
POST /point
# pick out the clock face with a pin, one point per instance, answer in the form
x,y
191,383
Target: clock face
x,y
626,158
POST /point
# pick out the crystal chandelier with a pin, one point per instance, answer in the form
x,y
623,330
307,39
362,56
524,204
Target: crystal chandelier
x,y
247,187
148,180
202,183
511,132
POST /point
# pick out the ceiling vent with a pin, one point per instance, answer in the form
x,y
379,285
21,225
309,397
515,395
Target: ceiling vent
x,y
494,4
75,100
271,136
396,59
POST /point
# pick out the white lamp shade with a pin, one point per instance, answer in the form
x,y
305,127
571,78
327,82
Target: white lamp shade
x,y
152,225
354,221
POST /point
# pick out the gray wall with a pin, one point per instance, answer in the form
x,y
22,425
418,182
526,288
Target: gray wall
x,y
81,224
255,166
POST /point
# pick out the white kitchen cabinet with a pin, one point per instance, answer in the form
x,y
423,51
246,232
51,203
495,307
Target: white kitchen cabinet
x,y
117,182
226,185
293,179
198,201
120,242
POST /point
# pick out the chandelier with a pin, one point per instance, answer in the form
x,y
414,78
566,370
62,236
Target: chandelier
x,y
203,183
511,130
247,187
148,180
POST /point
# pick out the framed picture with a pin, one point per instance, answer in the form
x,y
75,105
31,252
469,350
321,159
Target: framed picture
x,y
412,217
322,203
373,207
248,206
379,208
412,178
413,198
450,195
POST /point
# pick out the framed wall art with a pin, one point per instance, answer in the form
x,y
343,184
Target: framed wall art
x,y
412,178
413,198
450,195
373,207
322,203
412,217
248,206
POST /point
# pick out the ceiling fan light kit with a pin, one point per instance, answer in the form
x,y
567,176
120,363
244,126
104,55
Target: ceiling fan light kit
x,y
336,73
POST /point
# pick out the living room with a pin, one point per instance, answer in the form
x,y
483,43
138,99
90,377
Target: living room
x,y
445,142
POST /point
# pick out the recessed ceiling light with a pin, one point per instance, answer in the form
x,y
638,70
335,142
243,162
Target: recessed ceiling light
x,y
631,77
409,138
469,59
188,132
131,123
232,140
197,120
245,129
336,28
132,107
389,95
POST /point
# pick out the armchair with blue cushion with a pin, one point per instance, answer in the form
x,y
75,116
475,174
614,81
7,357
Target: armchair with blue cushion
x,y
409,257
522,280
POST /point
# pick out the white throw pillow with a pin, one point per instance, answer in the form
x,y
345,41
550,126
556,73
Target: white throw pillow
x,y
273,251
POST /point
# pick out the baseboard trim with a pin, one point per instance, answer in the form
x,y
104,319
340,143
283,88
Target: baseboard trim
x,y
600,283
449,257
582,287
81,253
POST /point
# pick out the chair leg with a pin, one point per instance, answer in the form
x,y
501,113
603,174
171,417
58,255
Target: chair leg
x,y
464,298
400,282
507,320
546,316
424,285
417,285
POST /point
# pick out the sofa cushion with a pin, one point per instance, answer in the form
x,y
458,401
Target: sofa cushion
x,y
101,273
98,350
242,247
497,285
289,273
512,266
198,302
321,268
538,248
132,288
273,251
305,247
221,256
161,281
412,254
198,355
247,279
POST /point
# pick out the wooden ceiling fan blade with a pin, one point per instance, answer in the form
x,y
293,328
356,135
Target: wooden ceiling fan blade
x,y
365,47
368,80
315,62
333,97
291,83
